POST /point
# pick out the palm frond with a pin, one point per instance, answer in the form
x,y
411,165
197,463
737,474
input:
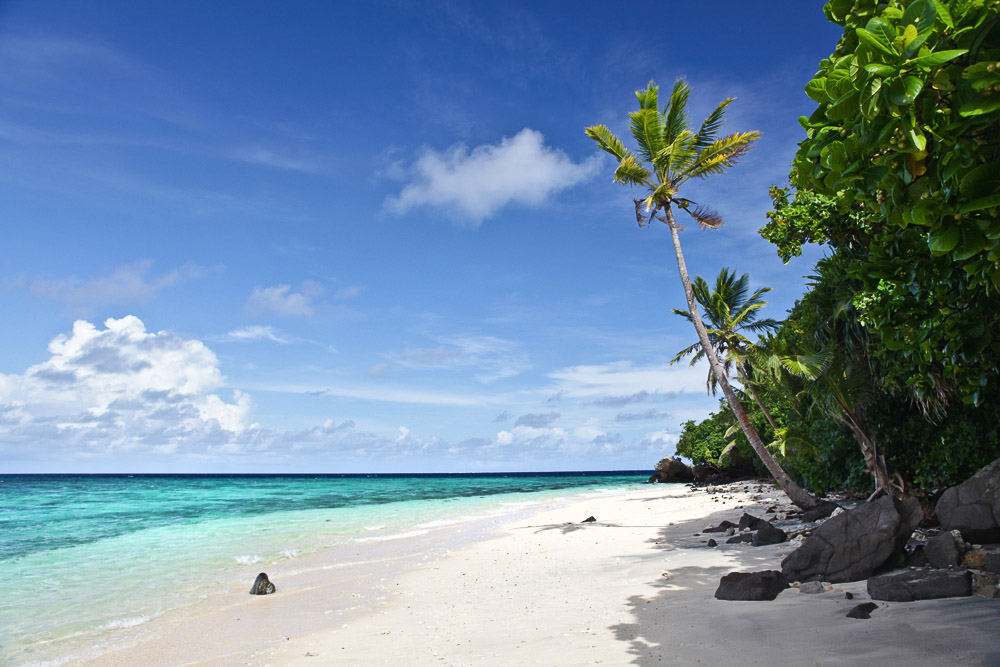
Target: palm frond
x,y
721,154
706,217
710,127
675,115
607,141
648,132
631,172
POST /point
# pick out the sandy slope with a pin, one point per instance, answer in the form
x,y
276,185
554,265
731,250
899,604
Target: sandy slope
x,y
636,587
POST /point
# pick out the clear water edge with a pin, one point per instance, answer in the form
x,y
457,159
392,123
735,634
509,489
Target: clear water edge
x,y
87,559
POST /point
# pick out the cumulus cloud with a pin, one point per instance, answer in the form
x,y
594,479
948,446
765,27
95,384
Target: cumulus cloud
x,y
127,284
475,185
282,301
121,388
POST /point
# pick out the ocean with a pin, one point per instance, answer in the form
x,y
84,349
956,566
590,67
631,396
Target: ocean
x,y
84,558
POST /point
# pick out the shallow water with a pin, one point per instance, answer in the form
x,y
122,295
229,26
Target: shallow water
x,y
82,557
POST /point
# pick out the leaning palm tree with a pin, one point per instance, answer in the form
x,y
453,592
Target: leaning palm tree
x,y
671,154
730,309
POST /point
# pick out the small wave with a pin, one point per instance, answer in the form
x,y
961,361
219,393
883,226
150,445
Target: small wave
x,y
438,523
397,536
376,527
128,622
249,559
290,553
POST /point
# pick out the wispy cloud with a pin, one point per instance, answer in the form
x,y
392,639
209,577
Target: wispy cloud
x,y
646,415
623,382
493,358
536,420
127,284
475,185
256,332
282,301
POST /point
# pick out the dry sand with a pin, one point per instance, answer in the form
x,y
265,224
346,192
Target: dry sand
x,y
634,587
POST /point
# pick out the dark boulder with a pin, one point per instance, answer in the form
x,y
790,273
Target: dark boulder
x,y
751,522
821,511
589,519
262,585
768,534
854,544
973,507
863,610
920,585
713,543
764,585
672,469
742,537
916,557
992,562
941,551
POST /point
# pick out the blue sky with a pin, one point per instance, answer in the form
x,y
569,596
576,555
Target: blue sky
x,y
351,237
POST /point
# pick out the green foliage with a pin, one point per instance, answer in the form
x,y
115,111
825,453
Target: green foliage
x,y
703,442
901,155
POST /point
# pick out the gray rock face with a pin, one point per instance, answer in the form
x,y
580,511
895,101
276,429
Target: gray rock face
x,y
920,585
854,544
262,585
768,534
993,562
941,551
973,507
764,585
751,522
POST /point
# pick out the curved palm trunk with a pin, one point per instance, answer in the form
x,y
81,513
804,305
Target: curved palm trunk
x,y
760,404
795,493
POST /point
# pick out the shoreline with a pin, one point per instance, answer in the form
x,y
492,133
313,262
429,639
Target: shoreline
x,y
541,588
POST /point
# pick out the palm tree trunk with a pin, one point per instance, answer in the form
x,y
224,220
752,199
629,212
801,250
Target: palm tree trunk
x,y
795,493
760,404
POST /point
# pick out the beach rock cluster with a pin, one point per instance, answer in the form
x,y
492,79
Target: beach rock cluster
x,y
853,545
750,530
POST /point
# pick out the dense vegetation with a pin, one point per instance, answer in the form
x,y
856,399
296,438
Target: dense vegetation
x,y
889,361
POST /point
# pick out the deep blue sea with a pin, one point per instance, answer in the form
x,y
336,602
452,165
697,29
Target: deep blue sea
x,y
84,555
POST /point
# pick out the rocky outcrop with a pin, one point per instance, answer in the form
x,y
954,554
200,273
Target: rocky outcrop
x,y
767,534
920,585
854,544
672,470
764,585
973,507
262,585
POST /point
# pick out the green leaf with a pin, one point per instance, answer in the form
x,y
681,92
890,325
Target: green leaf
x,y
979,182
923,213
943,240
816,89
972,243
981,203
844,108
870,39
917,138
935,59
881,69
903,91
980,106
920,14
834,156
943,13
838,10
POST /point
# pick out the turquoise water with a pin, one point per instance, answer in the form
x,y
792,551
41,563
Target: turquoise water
x,y
83,556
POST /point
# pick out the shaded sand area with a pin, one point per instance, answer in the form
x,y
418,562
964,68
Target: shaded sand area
x,y
634,587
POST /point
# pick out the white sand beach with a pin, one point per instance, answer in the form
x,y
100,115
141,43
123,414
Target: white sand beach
x,y
635,587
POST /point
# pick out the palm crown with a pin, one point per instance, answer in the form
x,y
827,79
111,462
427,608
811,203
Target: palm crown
x,y
670,153
730,309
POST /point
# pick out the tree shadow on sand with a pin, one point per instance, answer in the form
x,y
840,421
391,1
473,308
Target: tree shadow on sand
x,y
682,623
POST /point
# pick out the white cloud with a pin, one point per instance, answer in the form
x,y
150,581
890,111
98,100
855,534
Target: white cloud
x,y
256,332
127,284
282,301
120,389
624,379
475,185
